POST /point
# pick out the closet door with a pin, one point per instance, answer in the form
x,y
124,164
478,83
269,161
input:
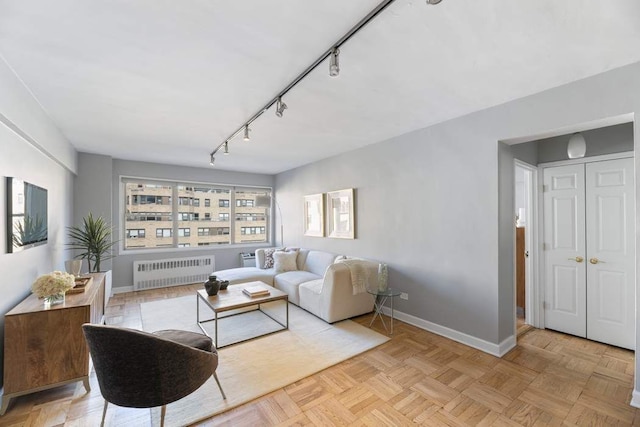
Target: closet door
x,y
610,214
564,242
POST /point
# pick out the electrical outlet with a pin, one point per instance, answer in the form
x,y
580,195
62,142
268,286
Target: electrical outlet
x,y
404,296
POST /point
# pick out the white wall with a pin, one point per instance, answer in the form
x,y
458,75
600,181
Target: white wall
x,y
31,148
436,204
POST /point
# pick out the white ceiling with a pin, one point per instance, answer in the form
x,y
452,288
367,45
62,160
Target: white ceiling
x,y
168,81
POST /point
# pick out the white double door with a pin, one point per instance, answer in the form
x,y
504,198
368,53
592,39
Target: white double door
x,y
589,235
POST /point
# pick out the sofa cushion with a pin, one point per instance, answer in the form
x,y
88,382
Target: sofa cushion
x,y
268,258
317,262
247,274
285,261
313,286
290,281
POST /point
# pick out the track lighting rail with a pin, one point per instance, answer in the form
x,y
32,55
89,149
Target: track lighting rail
x,y
336,46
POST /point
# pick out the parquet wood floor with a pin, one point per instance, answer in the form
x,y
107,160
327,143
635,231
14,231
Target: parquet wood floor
x,y
415,378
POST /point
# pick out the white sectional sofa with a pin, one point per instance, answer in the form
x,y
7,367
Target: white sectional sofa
x,y
321,284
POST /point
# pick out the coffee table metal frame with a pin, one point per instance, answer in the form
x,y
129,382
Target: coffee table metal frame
x,y
238,301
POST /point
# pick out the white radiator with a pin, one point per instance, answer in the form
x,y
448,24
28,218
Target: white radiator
x,y
161,273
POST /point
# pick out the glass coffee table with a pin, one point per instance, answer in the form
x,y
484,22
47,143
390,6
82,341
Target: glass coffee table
x,y
381,299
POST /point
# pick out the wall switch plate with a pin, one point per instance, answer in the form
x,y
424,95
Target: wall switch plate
x,y
404,296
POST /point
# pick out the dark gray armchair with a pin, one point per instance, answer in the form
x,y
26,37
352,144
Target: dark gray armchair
x,y
137,369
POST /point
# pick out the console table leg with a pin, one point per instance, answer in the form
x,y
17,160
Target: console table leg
x,y
85,382
5,404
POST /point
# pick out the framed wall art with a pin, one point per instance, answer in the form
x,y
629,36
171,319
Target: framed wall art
x,y
340,212
314,215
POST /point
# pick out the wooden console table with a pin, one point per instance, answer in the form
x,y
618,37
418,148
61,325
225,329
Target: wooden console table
x,y
45,348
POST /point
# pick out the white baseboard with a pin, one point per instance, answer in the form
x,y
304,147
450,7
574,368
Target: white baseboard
x,y
635,399
121,289
497,350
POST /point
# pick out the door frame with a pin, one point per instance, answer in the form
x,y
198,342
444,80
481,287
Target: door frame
x,y
532,308
539,283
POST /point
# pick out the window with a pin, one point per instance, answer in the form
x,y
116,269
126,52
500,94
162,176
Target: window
x,y
143,199
213,231
164,232
250,217
134,233
252,230
149,211
244,203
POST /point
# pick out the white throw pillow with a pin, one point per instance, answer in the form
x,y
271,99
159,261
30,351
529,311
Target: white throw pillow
x,y
285,261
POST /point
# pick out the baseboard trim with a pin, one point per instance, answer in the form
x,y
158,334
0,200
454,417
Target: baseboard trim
x,y
635,399
497,350
121,289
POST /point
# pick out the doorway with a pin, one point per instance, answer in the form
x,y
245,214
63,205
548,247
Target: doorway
x,y
525,225
589,274
610,141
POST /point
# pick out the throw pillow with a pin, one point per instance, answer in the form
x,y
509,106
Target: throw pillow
x,y
268,257
285,261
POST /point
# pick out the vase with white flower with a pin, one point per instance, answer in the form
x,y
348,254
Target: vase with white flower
x,y
52,287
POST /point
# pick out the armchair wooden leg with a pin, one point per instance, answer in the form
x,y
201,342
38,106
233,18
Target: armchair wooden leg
x,y
219,386
104,413
163,411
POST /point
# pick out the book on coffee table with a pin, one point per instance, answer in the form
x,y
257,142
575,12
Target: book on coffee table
x,y
256,291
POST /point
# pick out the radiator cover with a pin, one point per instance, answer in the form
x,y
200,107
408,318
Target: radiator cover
x,y
161,273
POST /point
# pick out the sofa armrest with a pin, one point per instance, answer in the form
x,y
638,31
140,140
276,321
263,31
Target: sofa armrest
x,y
337,289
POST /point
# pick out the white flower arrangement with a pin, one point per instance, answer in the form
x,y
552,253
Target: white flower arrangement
x,y
54,283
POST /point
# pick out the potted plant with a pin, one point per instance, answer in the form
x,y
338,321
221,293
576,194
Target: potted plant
x,y
93,239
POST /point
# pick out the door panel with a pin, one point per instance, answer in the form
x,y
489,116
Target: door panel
x,y
565,277
610,214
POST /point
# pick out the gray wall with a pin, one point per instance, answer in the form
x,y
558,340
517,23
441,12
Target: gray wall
x,y
436,204
31,148
607,140
226,257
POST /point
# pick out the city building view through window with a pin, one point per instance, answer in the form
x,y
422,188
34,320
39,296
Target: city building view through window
x,y
181,215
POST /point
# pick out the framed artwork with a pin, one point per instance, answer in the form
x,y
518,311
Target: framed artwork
x,y
340,213
314,215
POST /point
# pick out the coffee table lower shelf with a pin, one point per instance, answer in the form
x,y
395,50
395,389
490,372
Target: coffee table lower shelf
x,y
234,299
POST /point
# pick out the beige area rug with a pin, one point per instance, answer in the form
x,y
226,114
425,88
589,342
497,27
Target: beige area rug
x,y
254,368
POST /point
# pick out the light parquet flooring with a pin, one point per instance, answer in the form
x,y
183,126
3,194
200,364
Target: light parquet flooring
x,y
549,379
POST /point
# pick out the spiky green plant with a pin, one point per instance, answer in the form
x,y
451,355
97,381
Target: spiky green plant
x,y
93,239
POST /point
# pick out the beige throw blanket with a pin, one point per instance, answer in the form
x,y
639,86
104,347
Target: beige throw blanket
x,y
359,274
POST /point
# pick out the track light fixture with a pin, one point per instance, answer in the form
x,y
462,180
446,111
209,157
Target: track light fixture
x,y
334,70
226,148
334,62
213,159
280,107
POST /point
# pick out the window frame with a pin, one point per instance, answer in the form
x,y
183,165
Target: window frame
x,y
216,188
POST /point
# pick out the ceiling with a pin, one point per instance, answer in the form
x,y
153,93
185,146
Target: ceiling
x,y
169,81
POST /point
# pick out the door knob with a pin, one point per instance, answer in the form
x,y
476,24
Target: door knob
x,y
578,259
596,261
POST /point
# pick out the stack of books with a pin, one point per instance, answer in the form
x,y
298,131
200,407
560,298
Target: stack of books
x,y
256,291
